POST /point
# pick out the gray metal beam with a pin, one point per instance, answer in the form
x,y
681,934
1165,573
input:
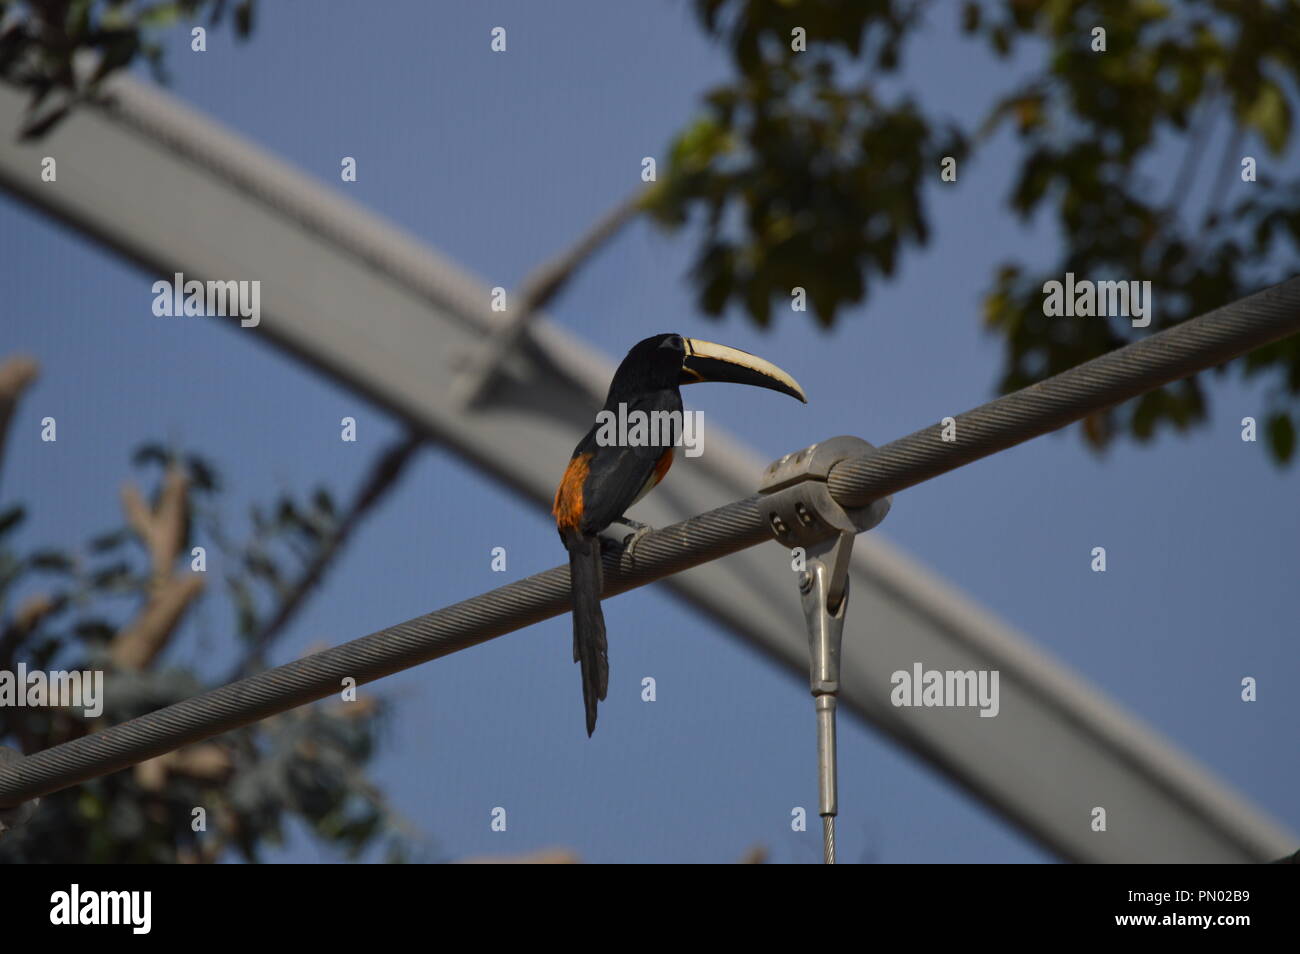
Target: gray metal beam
x,y
375,309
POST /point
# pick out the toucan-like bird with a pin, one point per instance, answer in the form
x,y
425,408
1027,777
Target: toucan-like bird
x,y
604,478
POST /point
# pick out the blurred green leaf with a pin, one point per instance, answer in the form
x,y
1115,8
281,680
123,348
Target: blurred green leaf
x,y
45,44
109,541
203,474
804,174
1270,116
151,453
1281,436
54,560
324,502
11,518
110,576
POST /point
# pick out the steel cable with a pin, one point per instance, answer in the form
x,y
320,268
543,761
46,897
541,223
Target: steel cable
x,y
1188,347
1126,372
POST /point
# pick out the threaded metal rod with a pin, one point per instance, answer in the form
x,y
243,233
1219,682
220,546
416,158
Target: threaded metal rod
x,y
827,772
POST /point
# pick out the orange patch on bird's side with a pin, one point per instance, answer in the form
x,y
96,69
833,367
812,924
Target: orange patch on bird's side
x,y
568,496
661,466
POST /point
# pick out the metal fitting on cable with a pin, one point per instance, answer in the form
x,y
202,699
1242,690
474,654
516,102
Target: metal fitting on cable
x,y
802,514
1069,396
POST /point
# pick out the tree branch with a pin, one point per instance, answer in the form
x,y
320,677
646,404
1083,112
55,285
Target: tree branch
x,y
1198,135
16,374
30,615
540,287
136,646
162,531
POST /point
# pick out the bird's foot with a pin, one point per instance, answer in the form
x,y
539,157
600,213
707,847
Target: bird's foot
x,y
632,539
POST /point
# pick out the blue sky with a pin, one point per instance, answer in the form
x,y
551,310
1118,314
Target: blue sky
x,y
499,160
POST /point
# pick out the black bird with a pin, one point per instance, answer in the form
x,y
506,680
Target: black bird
x,y
604,478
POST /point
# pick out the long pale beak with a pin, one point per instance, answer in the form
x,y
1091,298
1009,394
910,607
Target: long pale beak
x,y
706,361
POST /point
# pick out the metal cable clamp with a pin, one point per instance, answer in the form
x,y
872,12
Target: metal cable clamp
x,y
802,514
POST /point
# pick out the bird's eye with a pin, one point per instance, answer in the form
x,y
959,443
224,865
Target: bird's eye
x,y
675,342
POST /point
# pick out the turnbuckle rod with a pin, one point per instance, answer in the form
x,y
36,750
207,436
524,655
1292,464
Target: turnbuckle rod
x,y
824,591
803,516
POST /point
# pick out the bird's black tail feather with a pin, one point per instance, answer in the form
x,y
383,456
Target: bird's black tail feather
x,y
589,644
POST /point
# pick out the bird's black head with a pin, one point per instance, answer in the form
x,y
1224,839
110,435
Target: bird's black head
x,y
653,364
666,361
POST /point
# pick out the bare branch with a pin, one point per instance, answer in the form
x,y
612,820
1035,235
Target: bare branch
x,y
547,856
16,374
756,855
161,530
542,285
136,646
33,610
1197,136
209,762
